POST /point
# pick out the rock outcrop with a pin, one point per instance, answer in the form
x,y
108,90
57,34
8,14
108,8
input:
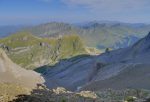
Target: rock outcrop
x,y
12,73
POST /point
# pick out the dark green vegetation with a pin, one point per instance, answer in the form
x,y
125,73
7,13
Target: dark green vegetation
x,y
30,51
94,34
15,93
9,91
126,95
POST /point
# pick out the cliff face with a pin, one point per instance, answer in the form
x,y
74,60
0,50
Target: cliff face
x,y
12,73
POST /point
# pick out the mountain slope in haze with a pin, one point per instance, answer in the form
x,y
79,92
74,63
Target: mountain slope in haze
x,y
31,52
118,69
8,30
96,34
14,74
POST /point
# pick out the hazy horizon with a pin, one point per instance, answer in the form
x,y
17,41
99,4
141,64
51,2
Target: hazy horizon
x,y
27,12
74,23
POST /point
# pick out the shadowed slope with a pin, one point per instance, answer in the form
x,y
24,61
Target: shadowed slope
x,y
118,69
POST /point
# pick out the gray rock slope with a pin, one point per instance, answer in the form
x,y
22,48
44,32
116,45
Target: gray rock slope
x,y
118,69
12,73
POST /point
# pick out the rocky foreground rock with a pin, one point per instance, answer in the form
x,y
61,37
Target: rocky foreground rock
x,y
14,74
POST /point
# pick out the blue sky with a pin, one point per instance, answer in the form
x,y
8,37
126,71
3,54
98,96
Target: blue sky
x,y
14,12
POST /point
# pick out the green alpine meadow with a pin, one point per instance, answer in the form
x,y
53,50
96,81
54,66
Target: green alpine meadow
x,y
31,52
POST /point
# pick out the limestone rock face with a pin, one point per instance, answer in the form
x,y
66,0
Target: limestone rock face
x,y
12,73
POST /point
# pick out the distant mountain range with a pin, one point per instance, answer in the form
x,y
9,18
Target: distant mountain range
x,y
101,35
96,34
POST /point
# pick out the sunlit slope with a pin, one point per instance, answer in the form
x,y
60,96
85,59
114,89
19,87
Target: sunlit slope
x,y
30,51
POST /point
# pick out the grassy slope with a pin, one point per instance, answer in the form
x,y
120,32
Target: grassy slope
x,y
30,51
